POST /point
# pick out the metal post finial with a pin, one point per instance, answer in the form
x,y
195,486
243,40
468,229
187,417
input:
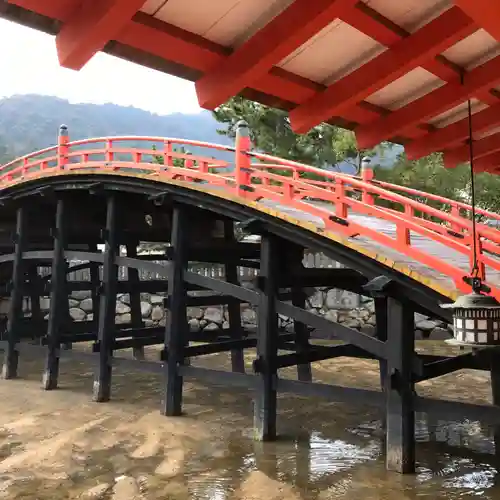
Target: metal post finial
x,y
242,129
366,162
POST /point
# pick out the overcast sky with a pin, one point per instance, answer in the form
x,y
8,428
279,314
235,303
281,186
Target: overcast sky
x,y
29,65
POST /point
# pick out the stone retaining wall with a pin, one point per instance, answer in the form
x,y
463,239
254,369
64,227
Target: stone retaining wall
x,y
322,301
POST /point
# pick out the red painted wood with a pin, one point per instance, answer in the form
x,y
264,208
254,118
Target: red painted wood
x,y
481,148
453,134
272,43
486,13
90,26
333,195
402,57
438,101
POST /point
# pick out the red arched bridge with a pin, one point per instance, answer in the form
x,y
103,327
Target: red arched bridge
x,y
396,226
91,203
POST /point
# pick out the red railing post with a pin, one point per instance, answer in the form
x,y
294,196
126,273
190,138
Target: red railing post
x,y
367,176
242,163
62,147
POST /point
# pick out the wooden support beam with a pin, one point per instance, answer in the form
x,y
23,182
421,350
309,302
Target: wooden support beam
x,y
286,32
402,57
381,333
399,388
482,149
454,134
34,293
135,299
299,298
58,298
233,307
485,14
15,314
495,393
107,306
267,341
95,290
176,327
420,110
90,27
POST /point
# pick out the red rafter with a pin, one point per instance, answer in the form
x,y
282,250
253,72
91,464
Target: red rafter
x,y
402,57
276,40
482,147
90,26
385,32
417,112
489,163
486,13
453,134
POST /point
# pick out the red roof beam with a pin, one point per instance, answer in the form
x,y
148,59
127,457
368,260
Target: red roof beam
x,y
486,13
384,31
404,56
489,163
254,58
482,147
90,26
419,111
453,134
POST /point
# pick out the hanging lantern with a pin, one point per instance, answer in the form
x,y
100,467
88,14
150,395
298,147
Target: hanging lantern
x,y
476,319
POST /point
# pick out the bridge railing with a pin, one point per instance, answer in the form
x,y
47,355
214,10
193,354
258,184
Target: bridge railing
x,y
331,197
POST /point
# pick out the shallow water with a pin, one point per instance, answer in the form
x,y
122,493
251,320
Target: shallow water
x,y
61,445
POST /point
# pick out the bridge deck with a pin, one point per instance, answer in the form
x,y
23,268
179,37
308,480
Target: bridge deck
x,y
396,226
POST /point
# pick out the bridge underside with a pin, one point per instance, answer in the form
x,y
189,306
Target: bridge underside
x,y
50,222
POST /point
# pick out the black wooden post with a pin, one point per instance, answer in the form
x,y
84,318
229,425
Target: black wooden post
x,y
34,292
95,281
176,326
58,296
14,317
495,393
299,299
267,340
381,332
107,306
399,387
135,298
233,308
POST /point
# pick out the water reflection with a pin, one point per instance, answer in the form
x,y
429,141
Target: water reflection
x,y
319,466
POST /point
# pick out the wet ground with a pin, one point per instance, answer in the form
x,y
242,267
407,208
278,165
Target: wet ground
x,y
60,445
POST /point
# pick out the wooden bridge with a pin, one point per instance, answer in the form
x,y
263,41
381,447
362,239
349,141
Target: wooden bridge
x,y
86,200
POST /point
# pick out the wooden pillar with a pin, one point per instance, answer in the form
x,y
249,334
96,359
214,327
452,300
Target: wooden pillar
x,y
399,387
95,281
233,308
68,320
267,340
58,298
495,393
299,299
34,292
381,333
176,326
15,314
107,306
135,298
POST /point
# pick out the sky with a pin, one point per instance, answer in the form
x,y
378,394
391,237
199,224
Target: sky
x,y
29,65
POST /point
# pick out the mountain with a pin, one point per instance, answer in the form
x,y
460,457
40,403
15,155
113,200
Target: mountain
x,y
31,122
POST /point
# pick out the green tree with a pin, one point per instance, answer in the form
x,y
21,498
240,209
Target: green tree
x,y
324,146
429,175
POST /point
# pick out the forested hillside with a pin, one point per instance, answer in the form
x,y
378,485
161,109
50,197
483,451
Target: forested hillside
x,y
31,122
